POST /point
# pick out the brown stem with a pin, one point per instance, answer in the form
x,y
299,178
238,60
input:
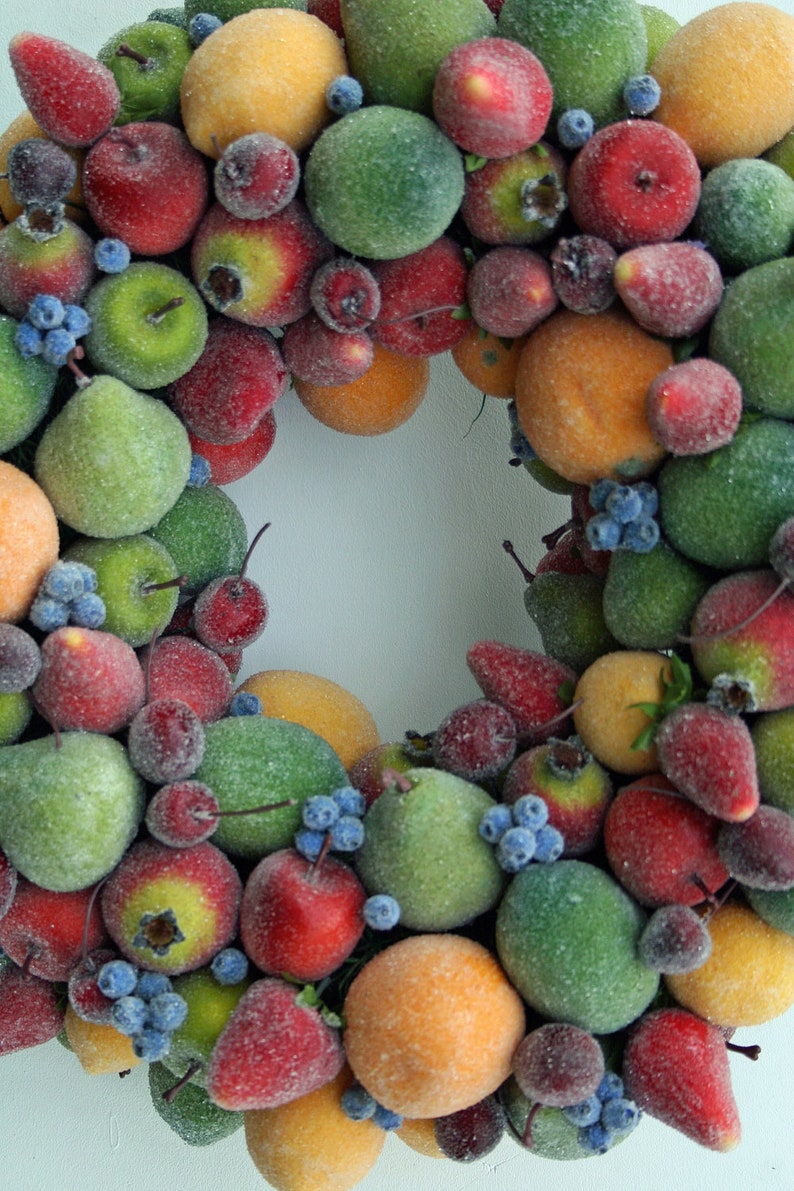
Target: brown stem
x,y
247,810
742,624
170,1094
179,581
126,51
157,316
749,1052
87,920
250,549
526,1137
509,548
311,875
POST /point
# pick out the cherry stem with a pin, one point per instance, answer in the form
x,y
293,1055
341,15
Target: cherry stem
x,y
737,628
33,952
749,1052
157,316
77,353
509,548
550,540
87,921
526,1137
246,810
126,51
250,549
542,729
179,581
404,318
171,1093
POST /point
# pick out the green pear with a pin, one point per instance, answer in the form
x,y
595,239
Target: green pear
x,y
149,88
15,713
567,611
205,534
650,598
191,1114
113,461
69,808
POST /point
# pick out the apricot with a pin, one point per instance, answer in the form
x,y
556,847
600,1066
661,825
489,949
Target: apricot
x,y
101,1049
432,1025
727,80
309,1144
266,70
383,398
487,362
319,704
580,395
606,719
28,540
749,977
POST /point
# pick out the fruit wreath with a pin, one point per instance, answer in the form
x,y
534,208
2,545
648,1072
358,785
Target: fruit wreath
x,y
544,919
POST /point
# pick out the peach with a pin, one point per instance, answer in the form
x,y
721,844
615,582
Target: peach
x,y
28,540
101,1049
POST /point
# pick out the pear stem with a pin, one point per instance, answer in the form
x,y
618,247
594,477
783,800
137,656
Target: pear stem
x,y
509,548
171,1093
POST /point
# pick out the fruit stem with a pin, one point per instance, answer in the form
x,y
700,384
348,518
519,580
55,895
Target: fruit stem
x,y
157,316
526,1137
170,1094
550,540
178,581
749,1052
77,353
246,810
311,875
736,628
250,549
509,548
87,920
393,777
126,51
541,729
418,315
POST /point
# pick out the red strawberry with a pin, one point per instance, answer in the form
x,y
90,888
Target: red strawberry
x,y
71,96
531,686
708,755
676,1068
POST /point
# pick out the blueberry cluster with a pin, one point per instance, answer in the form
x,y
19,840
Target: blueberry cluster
x,y
521,833
145,1007
606,1116
338,814
624,516
67,595
359,1105
51,328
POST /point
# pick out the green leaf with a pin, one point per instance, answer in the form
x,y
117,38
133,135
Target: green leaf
x,y
461,312
474,162
565,692
676,690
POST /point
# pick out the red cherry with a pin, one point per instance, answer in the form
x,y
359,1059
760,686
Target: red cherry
x,y
231,612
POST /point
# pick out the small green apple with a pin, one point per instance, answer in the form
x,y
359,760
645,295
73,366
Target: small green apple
x,y
148,60
28,385
209,1007
149,325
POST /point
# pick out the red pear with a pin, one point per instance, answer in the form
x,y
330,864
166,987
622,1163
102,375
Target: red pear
x,y
709,756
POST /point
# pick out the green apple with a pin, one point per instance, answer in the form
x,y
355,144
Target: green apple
x,y
149,83
69,808
209,1007
149,325
191,1114
126,570
113,461
28,386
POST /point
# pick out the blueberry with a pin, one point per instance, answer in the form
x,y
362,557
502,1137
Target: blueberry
x,y
386,1119
640,536
167,1012
381,911
201,25
90,581
200,472
344,94
585,1113
515,849
520,445
603,532
649,498
245,703
620,1115
45,312
111,256
530,811
309,842
88,610
230,966
611,1086
48,614
641,95
152,984
495,822
151,1045
117,978
595,1138
320,812
128,1014
623,503
28,339
350,801
347,834
76,320
63,581
599,491
549,844
56,346
574,128
357,1104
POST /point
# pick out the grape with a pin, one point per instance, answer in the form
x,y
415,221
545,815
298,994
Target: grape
x,y
759,852
472,1132
675,940
476,741
558,1064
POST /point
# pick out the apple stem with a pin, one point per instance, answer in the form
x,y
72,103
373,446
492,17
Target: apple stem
x,y
742,624
126,51
311,875
749,1052
179,581
250,549
157,316
246,810
509,548
170,1094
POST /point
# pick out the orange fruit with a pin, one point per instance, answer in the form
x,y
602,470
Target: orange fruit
x,y
487,362
606,720
580,395
22,129
432,1023
727,80
28,540
319,704
749,977
101,1049
420,1135
383,398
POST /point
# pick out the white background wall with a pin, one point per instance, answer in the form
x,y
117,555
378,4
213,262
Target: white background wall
x,y
383,564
